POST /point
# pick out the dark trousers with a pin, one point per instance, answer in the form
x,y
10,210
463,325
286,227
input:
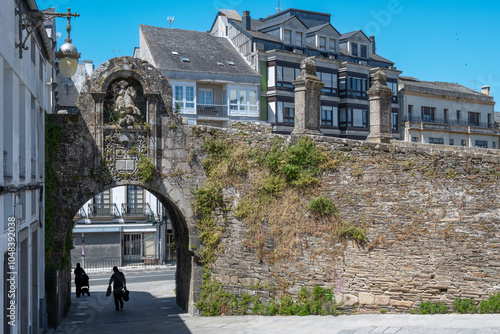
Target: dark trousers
x,y
118,298
78,283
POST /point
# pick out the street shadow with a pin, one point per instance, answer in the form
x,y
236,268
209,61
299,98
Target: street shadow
x,y
143,313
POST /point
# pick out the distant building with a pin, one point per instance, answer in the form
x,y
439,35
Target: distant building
x,y
25,97
447,113
68,89
275,45
122,226
211,83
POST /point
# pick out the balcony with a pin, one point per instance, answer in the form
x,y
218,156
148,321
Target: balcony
x,y
102,210
216,110
449,122
137,209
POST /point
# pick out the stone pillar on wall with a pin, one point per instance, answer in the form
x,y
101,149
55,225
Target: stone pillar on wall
x,y
380,96
307,100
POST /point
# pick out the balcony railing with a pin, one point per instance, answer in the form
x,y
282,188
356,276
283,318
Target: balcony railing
x,y
211,109
137,209
103,210
442,121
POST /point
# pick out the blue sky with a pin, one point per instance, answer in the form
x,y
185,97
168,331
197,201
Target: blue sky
x,y
445,40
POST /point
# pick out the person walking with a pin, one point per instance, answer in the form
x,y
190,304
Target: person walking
x,y
119,283
79,278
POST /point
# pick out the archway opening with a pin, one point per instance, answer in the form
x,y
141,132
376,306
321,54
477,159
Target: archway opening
x,y
129,226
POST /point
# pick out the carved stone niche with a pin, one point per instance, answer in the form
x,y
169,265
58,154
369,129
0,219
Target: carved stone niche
x,y
123,104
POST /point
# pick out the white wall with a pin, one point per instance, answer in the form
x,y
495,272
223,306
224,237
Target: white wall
x,y
24,98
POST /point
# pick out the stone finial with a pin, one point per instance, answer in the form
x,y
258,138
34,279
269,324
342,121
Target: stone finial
x,y
308,70
380,77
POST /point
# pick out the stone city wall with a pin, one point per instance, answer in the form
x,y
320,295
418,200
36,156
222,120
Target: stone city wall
x,y
432,219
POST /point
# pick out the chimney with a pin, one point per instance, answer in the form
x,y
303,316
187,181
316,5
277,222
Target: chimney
x,y
373,49
485,90
246,22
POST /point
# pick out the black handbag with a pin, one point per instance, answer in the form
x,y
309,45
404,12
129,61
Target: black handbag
x,y
108,292
125,295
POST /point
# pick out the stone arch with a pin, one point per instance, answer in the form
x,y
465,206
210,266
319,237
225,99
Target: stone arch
x,y
91,156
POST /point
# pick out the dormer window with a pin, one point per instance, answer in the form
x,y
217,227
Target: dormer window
x,y
298,38
287,36
332,45
363,51
354,49
322,43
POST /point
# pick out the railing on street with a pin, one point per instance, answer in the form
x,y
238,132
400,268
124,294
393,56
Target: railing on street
x,y
442,121
134,261
211,109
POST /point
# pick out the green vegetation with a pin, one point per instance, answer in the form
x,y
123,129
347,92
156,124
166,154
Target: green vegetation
x,y
351,232
431,308
145,168
464,305
322,206
492,305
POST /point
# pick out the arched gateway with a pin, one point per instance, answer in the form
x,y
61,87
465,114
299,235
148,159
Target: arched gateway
x,y
124,134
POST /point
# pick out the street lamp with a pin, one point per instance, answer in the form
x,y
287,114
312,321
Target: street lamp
x,y
32,19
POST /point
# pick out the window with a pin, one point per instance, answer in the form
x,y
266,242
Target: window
x,y
102,204
428,114
353,86
445,114
330,81
286,112
463,142
184,98
439,141
357,118
298,38
414,139
452,142
354,49
227,30
490,124
332,45
242,101
474,118
363,51
135,200
394,88
285,76
329,116
493,144
481,144
322,43
287,36
410,111
459,115
394,119
205,96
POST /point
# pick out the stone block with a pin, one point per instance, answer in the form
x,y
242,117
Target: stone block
x,y
234,280
402,303
382,300
350,300
366,298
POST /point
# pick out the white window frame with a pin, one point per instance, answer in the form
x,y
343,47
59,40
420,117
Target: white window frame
x,y
183,108
206,90
243,109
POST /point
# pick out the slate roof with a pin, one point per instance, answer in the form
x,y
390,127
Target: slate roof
x,y
348,35
278,22
301,14
202,49
442,88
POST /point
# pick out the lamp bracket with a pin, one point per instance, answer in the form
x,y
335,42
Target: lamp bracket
x,y
32,19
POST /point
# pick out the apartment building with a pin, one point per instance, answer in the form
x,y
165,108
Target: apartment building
x,y
122,226
275,45
211,83
447,113
26,77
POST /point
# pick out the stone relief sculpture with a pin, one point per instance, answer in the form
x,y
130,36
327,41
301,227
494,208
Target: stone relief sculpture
x,y
123,105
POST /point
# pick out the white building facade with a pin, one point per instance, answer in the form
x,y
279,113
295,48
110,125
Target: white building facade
x,y
447,114
25,96
125,225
